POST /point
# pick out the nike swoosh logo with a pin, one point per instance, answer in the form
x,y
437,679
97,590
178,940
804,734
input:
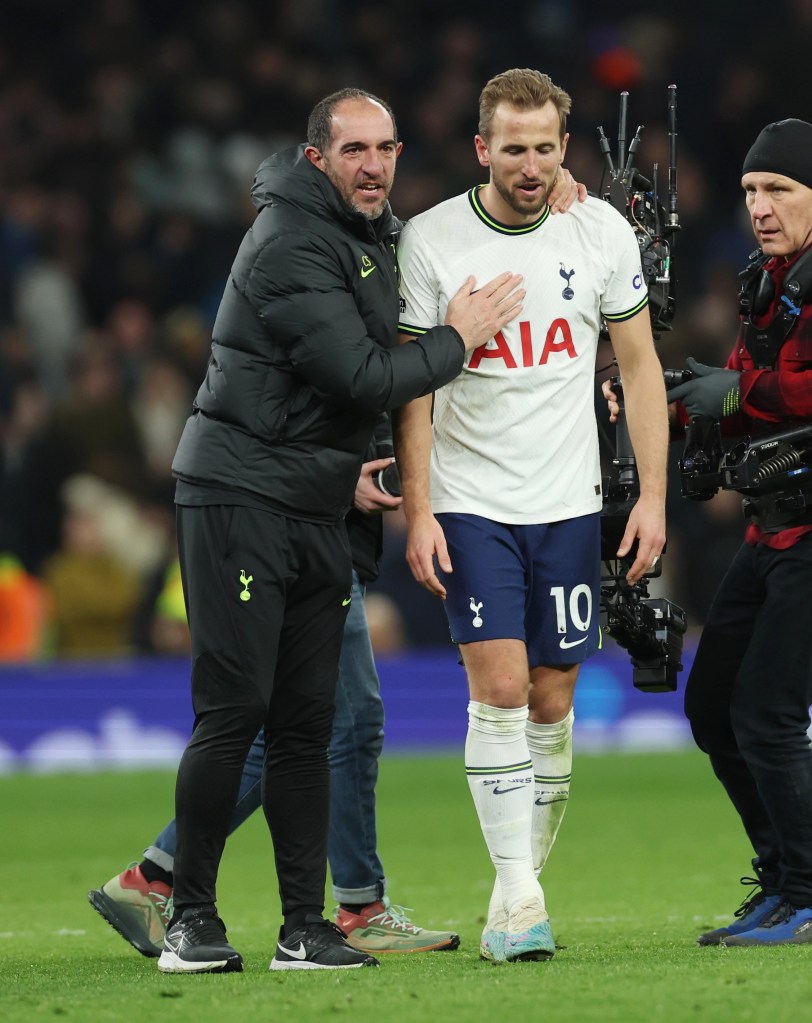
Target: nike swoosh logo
x,y
296,953
549,802
366,273
565,644
501,792
347,601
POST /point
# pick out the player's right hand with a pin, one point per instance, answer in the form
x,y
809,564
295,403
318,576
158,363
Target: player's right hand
x,y
477,313
425,540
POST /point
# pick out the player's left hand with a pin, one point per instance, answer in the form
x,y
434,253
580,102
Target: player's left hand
x,y
646,525
713,392
565,191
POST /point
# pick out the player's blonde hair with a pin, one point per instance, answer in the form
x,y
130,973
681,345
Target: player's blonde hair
x,y
525,89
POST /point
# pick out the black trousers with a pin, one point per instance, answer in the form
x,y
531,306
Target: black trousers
x,y
267,597
747,699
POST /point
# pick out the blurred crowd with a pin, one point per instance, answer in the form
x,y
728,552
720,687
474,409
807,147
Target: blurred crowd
x,y
130,131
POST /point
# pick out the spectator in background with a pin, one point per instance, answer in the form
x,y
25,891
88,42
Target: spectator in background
x,y
25,613
91,430
96,576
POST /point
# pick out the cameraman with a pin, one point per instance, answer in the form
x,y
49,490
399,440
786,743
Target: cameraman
x,y
749,691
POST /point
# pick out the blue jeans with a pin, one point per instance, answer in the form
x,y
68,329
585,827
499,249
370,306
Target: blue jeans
x,y
352,845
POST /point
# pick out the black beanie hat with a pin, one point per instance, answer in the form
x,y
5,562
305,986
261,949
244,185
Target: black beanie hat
x,y
784,147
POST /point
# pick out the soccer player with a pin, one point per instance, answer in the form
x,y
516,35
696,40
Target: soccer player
x,y
503,487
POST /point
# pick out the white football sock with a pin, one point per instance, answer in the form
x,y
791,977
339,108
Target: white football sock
x,y
550,749
500,777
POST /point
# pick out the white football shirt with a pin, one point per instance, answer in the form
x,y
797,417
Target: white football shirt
x,y
514,436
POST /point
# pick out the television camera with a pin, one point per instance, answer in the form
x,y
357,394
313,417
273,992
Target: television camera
x,y
649,628
773,473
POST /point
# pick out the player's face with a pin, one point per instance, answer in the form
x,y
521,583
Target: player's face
x,y
780,211
524,151
360,160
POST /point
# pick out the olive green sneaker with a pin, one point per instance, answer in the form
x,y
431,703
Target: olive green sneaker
x,y
381,927
137,909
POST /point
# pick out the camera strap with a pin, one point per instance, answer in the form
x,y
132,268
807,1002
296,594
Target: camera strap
x,y
758,291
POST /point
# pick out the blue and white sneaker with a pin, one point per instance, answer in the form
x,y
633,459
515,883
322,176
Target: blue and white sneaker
x,y
751,913
492,942
492,945
529,935
785,926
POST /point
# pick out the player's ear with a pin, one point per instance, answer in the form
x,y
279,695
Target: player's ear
x,y
482,151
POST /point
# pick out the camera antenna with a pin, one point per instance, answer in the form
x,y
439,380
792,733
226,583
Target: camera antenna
x,y
603,142
655,196
621,129
628,170
673,216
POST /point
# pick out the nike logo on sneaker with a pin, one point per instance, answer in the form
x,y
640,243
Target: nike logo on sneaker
x,y
295,953
565,644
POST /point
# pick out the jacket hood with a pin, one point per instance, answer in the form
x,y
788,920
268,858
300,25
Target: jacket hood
x,y
288,177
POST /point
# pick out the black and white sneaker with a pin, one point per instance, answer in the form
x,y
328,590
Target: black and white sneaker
x,y
196,943
317,945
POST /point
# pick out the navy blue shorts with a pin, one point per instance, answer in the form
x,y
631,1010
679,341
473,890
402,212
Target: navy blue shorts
x,y
539,584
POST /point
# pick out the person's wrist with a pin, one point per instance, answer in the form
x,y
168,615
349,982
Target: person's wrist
x,y
732,402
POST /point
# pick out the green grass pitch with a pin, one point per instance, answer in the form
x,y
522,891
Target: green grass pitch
x,y
649,855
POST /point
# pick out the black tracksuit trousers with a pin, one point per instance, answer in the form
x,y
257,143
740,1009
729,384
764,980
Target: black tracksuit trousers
x,y
747,699
267,597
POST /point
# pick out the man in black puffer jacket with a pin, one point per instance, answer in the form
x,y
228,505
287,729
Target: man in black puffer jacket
x,y
304,359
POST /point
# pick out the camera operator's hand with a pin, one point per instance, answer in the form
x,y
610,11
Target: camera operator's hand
x,y
565,191
713,392
368,497
614,405
477,313
611,400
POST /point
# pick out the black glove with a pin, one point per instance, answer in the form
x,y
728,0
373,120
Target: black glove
x,y
713,392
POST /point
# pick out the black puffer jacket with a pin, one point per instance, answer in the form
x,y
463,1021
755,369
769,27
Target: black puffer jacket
x,y
304,351
365,531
